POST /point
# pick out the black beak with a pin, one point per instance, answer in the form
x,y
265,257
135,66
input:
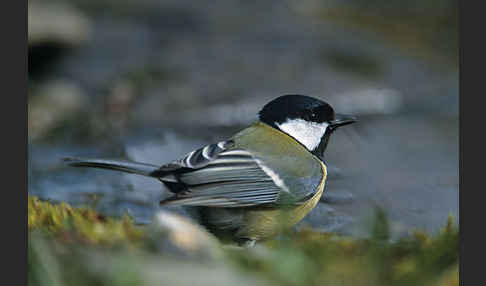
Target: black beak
x,y
341,120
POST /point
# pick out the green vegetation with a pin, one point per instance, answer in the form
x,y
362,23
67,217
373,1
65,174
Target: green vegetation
x,y
77,246
68,224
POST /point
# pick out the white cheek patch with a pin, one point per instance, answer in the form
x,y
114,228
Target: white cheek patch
x,y
307,133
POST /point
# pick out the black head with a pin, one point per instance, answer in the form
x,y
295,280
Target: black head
x,y
308,120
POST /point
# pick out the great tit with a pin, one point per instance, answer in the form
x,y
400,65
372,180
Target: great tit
x,y
264,179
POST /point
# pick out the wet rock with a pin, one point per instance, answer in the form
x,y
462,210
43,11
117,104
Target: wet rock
x,y
170,232
54,103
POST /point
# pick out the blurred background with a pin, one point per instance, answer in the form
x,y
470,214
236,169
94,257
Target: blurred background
x,y
149,80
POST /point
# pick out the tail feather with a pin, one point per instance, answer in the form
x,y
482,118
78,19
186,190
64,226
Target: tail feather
x,y
118,165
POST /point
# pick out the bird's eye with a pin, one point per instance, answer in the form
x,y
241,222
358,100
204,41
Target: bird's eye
x,y
313,115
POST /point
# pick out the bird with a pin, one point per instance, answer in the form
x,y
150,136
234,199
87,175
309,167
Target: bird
x,y
264,179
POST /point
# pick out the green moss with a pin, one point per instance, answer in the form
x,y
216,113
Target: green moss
x,y
68,224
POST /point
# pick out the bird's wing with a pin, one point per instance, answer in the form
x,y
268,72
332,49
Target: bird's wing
x,y
221,175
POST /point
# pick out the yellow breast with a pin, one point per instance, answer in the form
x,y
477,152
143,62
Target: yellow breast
x,y
260,224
